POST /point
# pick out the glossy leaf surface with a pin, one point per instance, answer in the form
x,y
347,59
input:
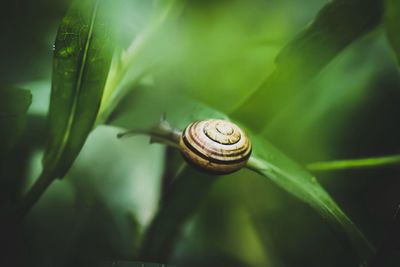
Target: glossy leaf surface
x,y
269,162
82,59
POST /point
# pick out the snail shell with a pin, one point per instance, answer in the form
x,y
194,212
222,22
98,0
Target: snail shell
x,y
217,146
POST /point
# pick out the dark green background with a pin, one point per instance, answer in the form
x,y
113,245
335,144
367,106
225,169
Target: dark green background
x,y
350,110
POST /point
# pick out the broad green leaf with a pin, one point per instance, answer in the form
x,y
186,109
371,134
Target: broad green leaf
x,y
14,104
82,57
192,186
273,164
392,23
336,26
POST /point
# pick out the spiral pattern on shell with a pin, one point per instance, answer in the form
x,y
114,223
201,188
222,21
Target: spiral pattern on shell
x,y
217,146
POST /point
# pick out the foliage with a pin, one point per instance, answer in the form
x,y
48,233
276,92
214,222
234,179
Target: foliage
x,y
126,64
82,57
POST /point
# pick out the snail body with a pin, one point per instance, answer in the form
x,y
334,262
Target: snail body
x,y
216,146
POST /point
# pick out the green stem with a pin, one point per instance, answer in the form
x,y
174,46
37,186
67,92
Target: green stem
x,y
161,133
354,163
34,194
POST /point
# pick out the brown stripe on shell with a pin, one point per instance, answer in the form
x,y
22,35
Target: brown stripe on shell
x,y
221,158
192,135
212,159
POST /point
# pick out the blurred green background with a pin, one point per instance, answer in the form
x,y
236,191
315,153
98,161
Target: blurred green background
x,y
214,53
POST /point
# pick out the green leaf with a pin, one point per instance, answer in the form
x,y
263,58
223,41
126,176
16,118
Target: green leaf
x,y
392,23
273,164
14,104
336,26
270,163
82,57
192,186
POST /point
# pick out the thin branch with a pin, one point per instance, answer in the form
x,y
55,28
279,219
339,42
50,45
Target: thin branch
x,y
161,133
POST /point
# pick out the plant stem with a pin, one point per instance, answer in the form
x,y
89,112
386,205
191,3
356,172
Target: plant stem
x,y
34,194
161,133
354,163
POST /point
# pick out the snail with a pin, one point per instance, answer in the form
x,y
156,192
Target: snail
x,y
213,145
216,146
